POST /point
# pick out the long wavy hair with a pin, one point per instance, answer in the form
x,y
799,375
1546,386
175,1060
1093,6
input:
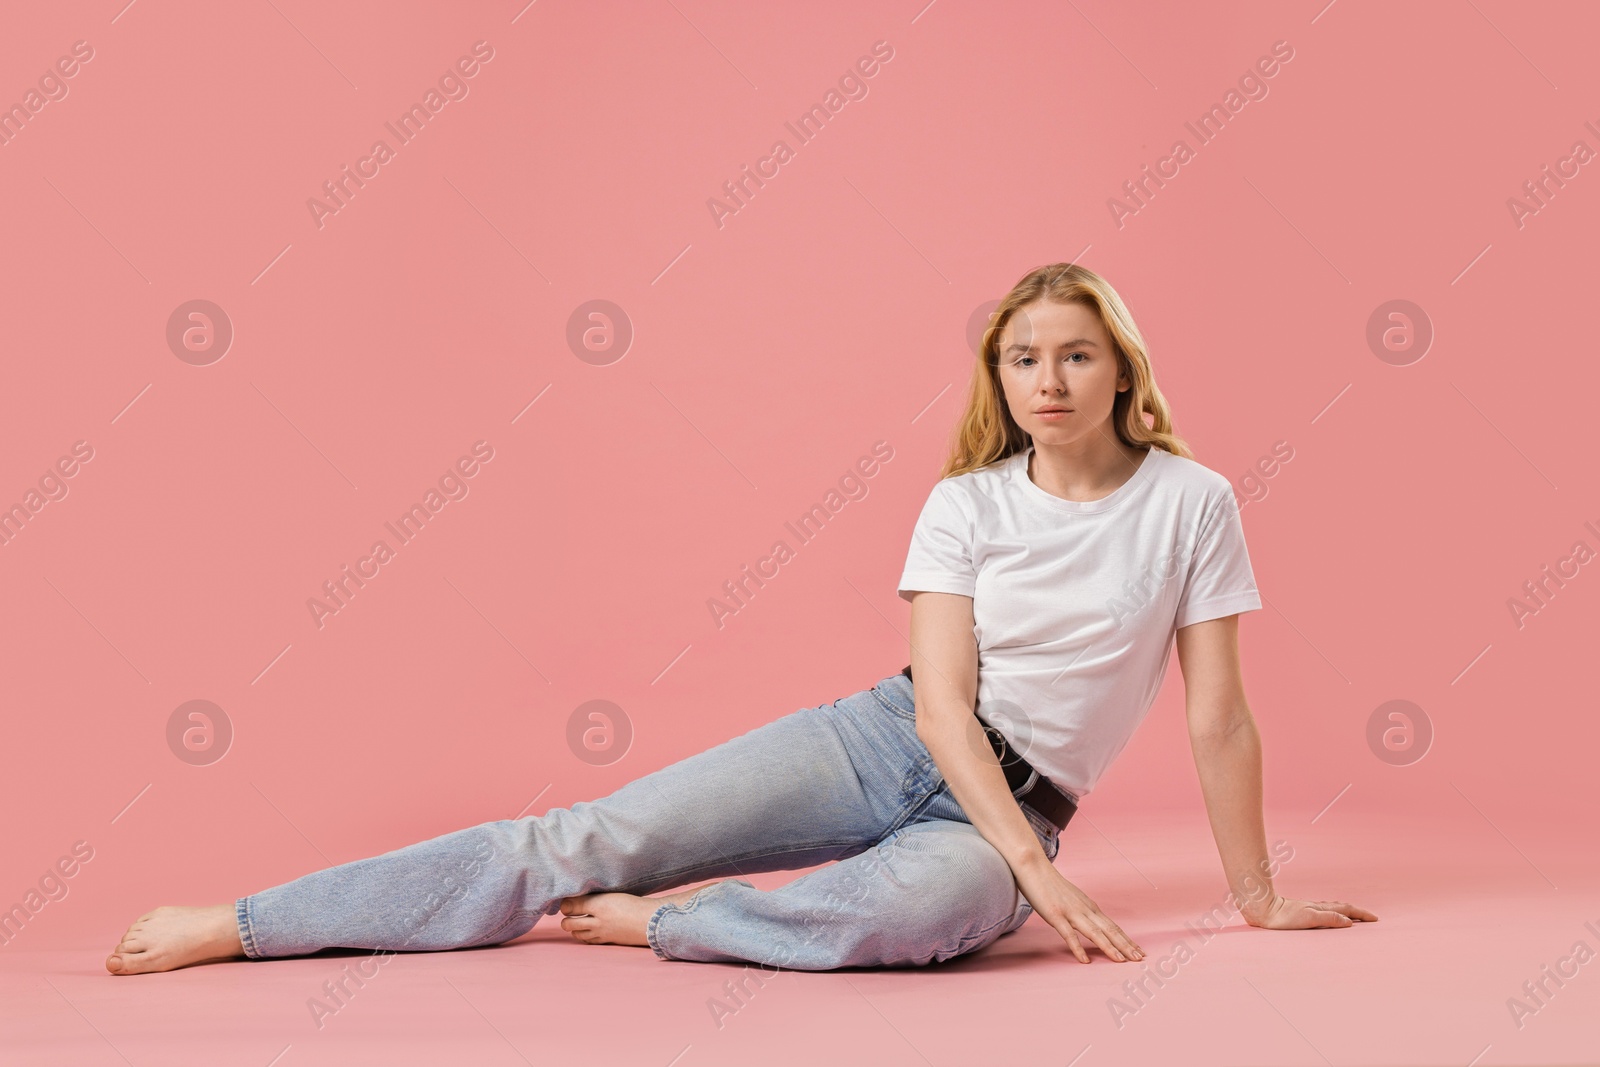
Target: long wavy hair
x,y
987,433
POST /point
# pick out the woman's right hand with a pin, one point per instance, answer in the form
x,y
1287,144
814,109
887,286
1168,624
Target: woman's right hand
x,y
1072,914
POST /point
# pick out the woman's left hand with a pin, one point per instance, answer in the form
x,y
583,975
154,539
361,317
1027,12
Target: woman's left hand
x,y
1286,913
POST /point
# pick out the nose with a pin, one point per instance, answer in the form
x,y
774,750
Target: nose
x,y
1052,379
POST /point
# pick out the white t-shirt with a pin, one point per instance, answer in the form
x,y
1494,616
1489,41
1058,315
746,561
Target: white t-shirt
x,y
1075,604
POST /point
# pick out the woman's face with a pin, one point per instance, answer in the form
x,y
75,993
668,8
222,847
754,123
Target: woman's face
x,y
1059,355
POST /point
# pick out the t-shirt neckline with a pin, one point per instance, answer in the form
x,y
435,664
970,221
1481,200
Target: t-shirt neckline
x,y
1019,472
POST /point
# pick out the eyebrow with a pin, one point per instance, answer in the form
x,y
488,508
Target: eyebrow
x,y
1076,342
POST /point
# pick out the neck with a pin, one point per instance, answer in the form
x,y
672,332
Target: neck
x,y
1083,470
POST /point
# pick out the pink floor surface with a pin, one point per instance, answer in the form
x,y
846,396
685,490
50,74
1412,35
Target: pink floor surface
x,y
1467,915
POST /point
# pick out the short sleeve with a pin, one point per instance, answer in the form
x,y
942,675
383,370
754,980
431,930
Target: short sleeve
x,y
940,557
1220,580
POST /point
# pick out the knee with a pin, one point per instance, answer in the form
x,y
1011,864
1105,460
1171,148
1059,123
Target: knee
x,y
488,841
960,879
475,854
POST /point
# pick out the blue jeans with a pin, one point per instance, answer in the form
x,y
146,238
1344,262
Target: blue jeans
x,y
848,781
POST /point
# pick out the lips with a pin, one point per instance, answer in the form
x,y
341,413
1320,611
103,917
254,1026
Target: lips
x,y
1046,411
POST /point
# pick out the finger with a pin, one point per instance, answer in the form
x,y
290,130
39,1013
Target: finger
x,y
1337,907
1070,936
1126,943
1326,917
1107,945
1101,939
1108,929
1352,910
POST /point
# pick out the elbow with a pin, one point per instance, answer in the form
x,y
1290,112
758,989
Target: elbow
x,y
1221,728
933,726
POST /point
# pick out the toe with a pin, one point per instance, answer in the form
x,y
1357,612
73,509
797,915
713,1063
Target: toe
x,y
129,962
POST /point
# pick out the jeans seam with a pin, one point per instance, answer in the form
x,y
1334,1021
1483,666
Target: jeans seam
x,y
916,780
971,941
911,810
1039,823
965,944
490,939
891,705
247,937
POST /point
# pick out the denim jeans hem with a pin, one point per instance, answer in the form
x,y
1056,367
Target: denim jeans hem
x,y
241,914
652,934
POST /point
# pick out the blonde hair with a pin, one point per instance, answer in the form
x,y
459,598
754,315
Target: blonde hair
x,y
987,433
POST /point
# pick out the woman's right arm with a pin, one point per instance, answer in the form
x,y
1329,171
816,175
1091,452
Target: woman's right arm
x,y
944,661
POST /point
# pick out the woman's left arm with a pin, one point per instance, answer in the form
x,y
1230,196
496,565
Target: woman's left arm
x,y
1227,755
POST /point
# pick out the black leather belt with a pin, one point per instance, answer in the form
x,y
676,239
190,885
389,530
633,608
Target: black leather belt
x,y
1042,796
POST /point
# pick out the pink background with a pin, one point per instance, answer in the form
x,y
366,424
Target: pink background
x,y
769,354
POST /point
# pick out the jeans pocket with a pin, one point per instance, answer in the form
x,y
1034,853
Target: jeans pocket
x,y
1049,836
891,701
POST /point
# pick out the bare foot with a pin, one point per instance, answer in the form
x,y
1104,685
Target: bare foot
x,y
176,936
616,918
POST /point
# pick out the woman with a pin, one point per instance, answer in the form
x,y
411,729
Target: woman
x,y
1066,543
